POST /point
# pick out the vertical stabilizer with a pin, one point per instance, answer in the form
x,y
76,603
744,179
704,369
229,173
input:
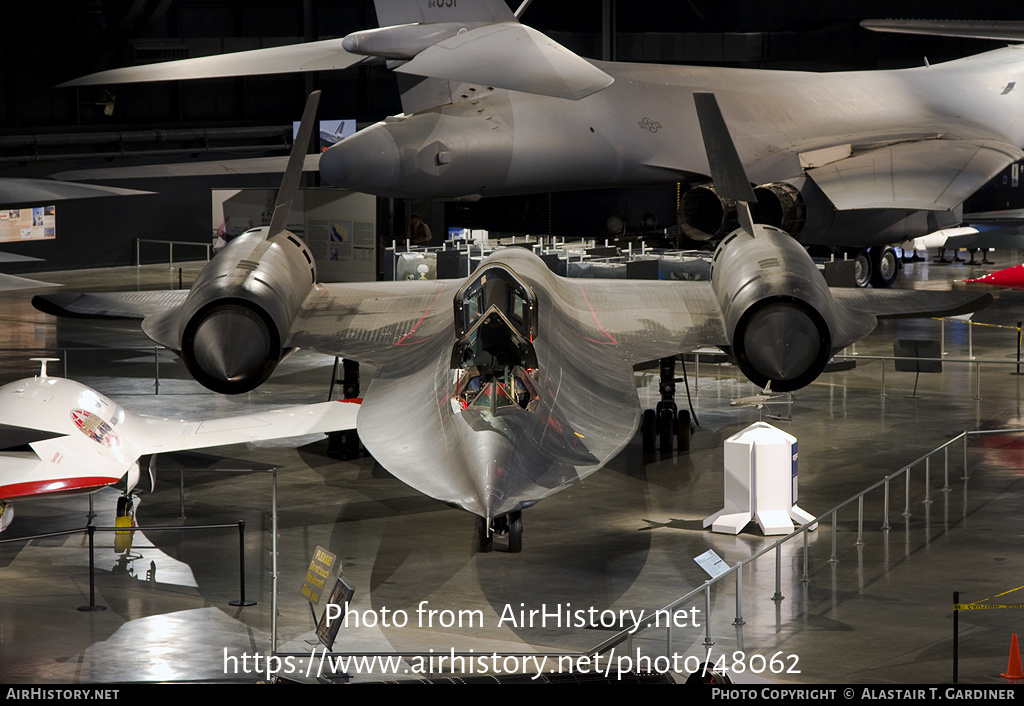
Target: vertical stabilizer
x,y
400,12
727,170
292,174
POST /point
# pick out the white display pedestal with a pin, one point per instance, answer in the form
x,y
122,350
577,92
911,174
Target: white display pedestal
x,y
760,482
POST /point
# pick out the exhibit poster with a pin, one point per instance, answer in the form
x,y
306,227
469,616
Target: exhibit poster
x,y
340,227
331,131
37,223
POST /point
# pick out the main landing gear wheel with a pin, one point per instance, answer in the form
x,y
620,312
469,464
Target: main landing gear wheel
x,y
862,269
666,428
885,266
649,430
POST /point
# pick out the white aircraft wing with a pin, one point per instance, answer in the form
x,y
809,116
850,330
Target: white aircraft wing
x,y
81,441
26,475
931,175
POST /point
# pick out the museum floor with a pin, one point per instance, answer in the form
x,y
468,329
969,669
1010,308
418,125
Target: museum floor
x,y
624,539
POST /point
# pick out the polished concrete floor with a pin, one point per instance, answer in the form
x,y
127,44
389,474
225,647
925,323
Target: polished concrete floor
x,y
623,540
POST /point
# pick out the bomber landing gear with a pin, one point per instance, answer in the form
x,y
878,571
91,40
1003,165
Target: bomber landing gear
x,y
878,266
510,525
659,427
862,269
885,266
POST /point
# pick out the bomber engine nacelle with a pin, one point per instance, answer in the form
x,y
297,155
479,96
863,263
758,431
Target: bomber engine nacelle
x,y
704,214
779,314
233,325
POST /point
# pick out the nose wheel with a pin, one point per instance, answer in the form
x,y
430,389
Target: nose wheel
x,y
125,518
510,526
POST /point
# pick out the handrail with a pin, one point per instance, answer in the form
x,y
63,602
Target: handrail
x,y
170,244
737,569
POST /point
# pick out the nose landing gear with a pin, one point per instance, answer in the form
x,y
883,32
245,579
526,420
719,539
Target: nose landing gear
x,y
510,526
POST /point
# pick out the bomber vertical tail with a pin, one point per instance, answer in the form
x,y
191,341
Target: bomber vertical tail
x,y
400,12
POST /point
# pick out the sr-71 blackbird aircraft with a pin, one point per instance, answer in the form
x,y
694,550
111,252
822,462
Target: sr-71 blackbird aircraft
x,y
495,391
60,437
493,107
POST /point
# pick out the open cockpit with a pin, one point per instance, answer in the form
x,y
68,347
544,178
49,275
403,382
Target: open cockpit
x,y
494,359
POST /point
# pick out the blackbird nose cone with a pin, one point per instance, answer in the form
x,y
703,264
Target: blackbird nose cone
x,y
366,161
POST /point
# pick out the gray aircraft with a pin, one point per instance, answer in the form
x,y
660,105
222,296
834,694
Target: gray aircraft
x,y
493,107
495,391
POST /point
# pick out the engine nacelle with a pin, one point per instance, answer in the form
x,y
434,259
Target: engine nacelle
x,y
233,325
780,205
705,215
778,311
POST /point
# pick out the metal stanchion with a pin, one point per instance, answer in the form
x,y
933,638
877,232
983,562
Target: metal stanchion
x,y
241,568
92,607
1019,324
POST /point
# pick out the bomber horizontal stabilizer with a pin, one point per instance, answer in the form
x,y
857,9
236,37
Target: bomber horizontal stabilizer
x,y
311,56
510,56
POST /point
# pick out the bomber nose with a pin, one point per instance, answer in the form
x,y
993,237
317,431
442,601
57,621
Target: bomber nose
x,y
366,161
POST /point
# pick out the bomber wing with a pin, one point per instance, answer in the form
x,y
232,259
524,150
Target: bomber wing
x,y
1008,30
33,192
929,175
311,56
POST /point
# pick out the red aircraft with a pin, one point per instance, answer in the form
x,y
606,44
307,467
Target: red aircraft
x,y
1010,278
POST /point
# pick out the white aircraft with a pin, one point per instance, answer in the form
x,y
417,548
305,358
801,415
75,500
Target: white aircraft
x,y
62,437
762,400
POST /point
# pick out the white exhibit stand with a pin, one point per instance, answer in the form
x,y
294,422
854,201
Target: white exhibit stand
x,y
760,482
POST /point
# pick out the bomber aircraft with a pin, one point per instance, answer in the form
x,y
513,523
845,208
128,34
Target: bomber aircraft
x,y
494,107
495,391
